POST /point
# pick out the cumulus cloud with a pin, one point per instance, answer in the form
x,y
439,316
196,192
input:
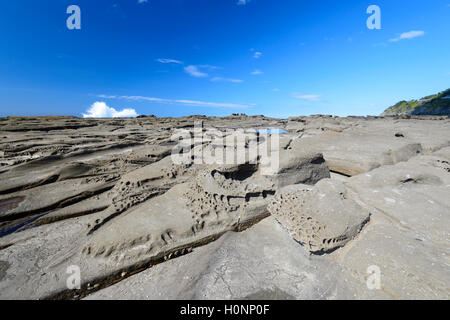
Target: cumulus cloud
x,y
408,35
101,110
169,61
193,71
309,97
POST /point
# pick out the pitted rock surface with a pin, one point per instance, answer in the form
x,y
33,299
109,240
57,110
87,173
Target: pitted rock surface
x,y
105,195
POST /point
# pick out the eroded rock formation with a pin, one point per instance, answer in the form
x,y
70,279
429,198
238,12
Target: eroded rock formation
x,y
108,197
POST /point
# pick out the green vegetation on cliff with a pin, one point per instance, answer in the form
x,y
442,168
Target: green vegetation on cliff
x,y
437,104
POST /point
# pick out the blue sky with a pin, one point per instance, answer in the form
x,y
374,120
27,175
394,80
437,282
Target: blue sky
x,y
217,57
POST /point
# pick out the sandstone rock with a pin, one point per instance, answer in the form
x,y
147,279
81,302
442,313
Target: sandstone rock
x,y
407,237
106,196
323,217
261,262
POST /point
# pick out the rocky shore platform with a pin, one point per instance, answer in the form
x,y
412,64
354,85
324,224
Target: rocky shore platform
x,y
352,208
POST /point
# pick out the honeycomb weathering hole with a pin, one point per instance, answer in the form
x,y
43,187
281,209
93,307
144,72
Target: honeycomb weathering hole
x,y
242,172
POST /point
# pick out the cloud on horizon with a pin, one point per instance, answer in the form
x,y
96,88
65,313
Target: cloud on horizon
x,y
100,109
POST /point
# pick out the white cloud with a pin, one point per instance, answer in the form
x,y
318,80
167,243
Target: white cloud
x,y
242,2
257,55
169,61
220,79
180,101
276,90
208,66
408,35
309,97
142,1
212,104
193,71
101,110
257,72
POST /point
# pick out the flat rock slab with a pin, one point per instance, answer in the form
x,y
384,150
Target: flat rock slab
x,y
261,262
408,235
367,145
